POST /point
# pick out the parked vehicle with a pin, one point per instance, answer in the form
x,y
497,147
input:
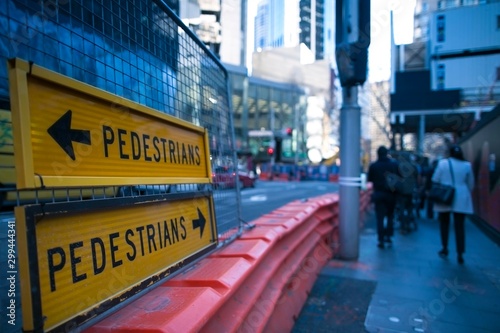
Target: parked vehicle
x,y
223,177
246,178
226,177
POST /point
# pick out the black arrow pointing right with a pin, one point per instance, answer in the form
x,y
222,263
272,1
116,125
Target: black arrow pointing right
x,y
199,222
62,133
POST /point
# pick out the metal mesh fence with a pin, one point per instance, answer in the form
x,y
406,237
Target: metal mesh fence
x,y
138,50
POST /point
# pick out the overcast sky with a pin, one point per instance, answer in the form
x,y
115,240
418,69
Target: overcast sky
x,y
380,48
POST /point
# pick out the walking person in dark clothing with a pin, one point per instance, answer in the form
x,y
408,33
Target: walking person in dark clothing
x,y
382,174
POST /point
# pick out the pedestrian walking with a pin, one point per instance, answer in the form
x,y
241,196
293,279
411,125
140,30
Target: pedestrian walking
x,y
457,172
407,187
383,174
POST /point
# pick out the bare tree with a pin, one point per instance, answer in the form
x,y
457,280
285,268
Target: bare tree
x,y
379,113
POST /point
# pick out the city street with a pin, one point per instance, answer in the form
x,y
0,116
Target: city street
x,y
255,202
268,196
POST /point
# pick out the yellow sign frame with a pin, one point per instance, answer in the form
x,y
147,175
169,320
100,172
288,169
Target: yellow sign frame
x,y
70,134
106,251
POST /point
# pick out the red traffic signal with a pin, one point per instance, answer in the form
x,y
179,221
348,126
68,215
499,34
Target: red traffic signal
x,y
270,151
289,131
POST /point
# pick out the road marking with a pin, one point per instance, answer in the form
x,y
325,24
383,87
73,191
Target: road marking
x,y
260,197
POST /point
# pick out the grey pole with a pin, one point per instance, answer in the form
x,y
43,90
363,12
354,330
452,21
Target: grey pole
x,y
350,124
421,134
295,133
353,39
273,141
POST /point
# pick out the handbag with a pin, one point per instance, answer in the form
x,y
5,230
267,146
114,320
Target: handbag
x,y
441,193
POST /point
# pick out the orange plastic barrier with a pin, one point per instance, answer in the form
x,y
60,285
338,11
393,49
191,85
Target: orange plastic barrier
x,y
285,176
265,176
334,177
258,283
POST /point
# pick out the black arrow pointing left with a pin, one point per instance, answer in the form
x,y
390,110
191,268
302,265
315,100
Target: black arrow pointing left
x,y
62,133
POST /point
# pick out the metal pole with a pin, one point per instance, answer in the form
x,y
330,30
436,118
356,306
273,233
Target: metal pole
x,y
273,140
350,124
402,58
244,118
421,135
296,133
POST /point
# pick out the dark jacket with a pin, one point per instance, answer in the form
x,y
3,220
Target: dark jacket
x,y
409,174
383,173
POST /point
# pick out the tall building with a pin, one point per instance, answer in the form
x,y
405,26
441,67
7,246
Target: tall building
x,y
312,24
221,25
449,76
281,23
233,47
204,18
276,24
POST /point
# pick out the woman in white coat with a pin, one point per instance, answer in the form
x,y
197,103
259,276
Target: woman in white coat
x,y
463,181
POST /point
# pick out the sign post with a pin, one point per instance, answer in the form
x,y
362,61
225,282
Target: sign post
x,y
68,133
80,259
352,39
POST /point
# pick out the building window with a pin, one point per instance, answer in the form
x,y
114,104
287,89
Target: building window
x,y
440,28
440,77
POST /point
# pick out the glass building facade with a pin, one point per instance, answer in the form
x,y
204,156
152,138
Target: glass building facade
x,y
137,50
262,105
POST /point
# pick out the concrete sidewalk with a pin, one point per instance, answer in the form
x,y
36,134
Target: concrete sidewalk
x,y
408,287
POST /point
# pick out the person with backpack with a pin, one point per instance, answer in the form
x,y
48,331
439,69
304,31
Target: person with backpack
x,y
407,188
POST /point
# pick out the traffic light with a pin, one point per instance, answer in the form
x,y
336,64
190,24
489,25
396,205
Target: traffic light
x,y
352,21
270,151
289,131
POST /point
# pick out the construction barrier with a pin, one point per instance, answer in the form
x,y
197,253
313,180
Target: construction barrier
x,y
258,283
334,177
284,177
265,176
286,172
